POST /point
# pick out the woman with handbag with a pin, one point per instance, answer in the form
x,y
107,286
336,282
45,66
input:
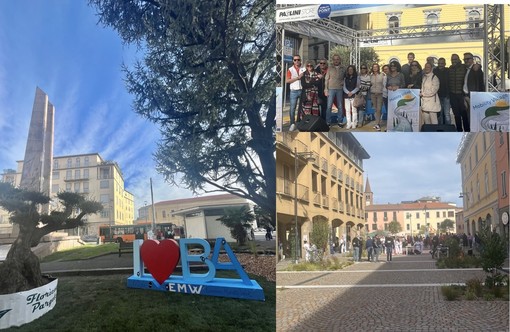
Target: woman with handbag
x,y
351,87
310,95
430,103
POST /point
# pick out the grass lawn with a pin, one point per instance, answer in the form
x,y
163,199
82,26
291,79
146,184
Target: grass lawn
x,y
104,303
87,251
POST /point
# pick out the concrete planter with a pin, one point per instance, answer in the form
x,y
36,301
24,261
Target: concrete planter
x,y
23,307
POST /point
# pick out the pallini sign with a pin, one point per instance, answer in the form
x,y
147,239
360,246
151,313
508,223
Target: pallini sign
x,y
23,307
161,257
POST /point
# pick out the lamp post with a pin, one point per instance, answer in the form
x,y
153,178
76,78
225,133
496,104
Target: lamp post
x,y
309,157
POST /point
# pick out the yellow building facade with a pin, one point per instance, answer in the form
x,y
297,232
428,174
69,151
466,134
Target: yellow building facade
x,y
325,170
477,159
422,16
90,174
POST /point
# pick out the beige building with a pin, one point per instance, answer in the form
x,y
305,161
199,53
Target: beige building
x,y
101,180
198,215
477,158
326,170
420,217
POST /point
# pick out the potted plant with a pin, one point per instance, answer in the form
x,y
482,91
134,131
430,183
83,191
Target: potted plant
x,y
20,273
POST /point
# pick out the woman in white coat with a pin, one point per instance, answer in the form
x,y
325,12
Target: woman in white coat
x,y
430,104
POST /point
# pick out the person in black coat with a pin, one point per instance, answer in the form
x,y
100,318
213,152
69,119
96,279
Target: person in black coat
x,y
389,243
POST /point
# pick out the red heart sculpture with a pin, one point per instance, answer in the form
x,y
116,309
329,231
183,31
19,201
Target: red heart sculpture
x,y
160,258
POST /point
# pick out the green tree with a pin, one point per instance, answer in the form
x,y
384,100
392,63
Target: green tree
x,y
320,234
368,55
493,252
239,220
207,79
394,227
21,269
446,225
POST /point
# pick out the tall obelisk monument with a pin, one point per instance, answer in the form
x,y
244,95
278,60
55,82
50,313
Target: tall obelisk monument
x,y
38,161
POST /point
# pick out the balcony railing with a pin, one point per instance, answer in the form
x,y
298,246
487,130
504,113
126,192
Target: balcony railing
x,y
316,198
341,206
315,161
286,187
352,182
341,175
324,164
333,171
348,209
334,203
325,201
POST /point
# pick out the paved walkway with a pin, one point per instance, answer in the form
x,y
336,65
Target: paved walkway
x,y
402,295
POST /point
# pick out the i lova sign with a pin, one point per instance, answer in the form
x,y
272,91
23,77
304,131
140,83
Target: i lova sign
x,y
161,258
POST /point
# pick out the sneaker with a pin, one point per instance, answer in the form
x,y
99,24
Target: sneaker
x,y
292,127
377,127
353,126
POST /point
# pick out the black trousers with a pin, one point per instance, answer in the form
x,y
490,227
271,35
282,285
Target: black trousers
x,y
459,112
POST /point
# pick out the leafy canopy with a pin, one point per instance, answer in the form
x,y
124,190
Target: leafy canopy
x,y
25,208
207,79
238,220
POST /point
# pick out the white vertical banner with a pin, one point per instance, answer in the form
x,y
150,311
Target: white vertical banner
x,y
404,110
489,111
279,109
23,307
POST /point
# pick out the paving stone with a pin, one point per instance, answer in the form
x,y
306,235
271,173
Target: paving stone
x,y
384,305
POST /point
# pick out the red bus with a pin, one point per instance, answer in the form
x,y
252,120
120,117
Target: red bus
x,y
128,233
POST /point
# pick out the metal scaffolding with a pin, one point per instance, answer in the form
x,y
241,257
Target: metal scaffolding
x,y
494,46
490,30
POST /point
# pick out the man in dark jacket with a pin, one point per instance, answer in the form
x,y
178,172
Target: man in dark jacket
x,y
456,75
441,72
389,243
473,80
356,244
369,245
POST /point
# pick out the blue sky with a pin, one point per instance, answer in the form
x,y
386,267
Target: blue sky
x,y
58,46
408,166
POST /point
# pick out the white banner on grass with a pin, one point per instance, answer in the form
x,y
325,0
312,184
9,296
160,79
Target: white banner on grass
x,y
404,110
490,111
23,307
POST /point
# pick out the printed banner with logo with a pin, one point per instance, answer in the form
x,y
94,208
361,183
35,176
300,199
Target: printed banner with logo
x,y
404,110
23,307
490,111
304,13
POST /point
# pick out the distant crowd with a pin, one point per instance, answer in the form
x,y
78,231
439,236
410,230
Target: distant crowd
x,y
393,245
315,89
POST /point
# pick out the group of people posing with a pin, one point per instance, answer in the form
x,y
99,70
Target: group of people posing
x,y
315,89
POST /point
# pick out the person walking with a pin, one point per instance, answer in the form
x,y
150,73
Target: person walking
x,y
355,247
390,245
377,248
369,245
308,250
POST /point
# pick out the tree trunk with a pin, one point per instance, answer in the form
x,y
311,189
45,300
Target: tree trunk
x,y
21,270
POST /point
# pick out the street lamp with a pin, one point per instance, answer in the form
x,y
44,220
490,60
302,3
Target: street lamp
x,y
309,158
